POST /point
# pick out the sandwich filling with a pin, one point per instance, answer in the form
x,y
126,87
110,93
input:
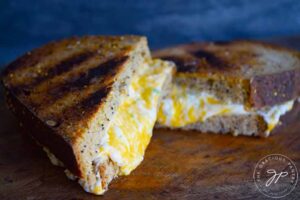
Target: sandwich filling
x,y
183,107
130,131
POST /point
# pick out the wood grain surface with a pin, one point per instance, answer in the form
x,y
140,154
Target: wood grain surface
x,y
177,165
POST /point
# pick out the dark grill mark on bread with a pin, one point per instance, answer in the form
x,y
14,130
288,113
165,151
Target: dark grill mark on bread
x,y
64,66
91,76
56,70
211,59
87,105
100,75
94,99
103,69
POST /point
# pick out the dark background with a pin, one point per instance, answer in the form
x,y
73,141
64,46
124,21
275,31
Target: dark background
x,y
25,24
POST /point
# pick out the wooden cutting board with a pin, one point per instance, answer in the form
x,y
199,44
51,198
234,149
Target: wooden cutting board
x,y
177,165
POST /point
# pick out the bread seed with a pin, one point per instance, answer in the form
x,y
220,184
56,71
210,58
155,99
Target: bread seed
x,y
51,123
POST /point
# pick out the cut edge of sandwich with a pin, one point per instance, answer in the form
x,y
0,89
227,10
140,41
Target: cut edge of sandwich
x,y
206,113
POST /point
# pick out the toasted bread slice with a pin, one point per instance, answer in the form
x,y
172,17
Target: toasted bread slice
x,y
239,87
67,94
257,74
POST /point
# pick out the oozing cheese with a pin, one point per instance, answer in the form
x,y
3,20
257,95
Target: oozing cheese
x,y
130,130
272,115
183,107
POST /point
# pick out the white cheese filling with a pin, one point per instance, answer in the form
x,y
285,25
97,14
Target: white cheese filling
x,y
181,108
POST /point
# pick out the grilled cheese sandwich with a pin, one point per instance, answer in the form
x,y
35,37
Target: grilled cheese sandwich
x,y
238,87
90,102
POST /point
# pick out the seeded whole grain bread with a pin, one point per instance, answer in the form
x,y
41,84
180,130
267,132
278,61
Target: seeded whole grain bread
x,y
253,73
66,92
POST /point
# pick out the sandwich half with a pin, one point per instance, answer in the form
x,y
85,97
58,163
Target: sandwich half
x,y
90,102
238,87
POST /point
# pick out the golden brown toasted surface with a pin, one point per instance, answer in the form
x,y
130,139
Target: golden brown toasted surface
x,y
233,58
63,82
264,74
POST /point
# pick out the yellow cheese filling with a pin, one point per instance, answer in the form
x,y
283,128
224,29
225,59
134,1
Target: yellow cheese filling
x,y
183,107
131,129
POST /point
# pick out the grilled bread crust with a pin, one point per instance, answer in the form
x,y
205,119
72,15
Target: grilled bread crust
x,y
252,73
66,92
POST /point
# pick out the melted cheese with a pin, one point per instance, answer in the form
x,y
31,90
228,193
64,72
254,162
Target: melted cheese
x,y
272,115
130,131
183,107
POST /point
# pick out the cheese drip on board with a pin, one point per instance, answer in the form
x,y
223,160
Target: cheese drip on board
x,y
183,107
130,131
272,115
